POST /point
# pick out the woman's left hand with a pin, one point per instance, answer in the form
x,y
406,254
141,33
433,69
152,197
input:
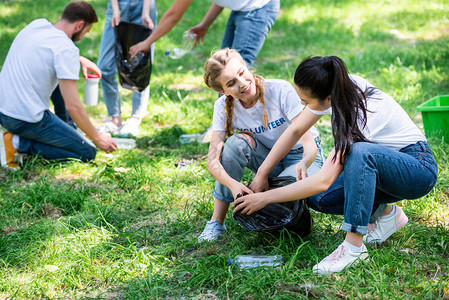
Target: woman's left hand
x,y
301,170
146,20
250,203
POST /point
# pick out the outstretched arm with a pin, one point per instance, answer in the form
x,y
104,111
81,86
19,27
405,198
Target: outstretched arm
x,y
283,145
170,18
69,91
201,29
304,188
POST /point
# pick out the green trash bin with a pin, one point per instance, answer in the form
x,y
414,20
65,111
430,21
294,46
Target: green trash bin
x,y
435,116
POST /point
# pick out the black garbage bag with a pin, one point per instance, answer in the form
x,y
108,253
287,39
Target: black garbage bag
x,y
293,215
133,74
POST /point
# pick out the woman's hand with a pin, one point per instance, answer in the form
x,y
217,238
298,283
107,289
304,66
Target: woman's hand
x,y
200,30
301,170
146,20
259,184
115,18
239,188
250,203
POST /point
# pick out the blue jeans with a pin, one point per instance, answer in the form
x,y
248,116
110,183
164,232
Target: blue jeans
x,y
246,30
130,11
238,153
50,137
373,176
59,105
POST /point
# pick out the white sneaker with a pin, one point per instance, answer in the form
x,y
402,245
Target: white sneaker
x,y
385,227
109,127
212,232
340,259
130,128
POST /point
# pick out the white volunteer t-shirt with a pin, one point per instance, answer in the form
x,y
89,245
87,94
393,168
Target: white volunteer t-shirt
x,y
39,56
387,122
282,104
242,5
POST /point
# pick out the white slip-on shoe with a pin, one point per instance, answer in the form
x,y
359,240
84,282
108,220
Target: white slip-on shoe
x,y
384,227
340,259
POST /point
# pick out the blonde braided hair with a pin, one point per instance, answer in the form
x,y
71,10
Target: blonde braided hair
x,y
212,70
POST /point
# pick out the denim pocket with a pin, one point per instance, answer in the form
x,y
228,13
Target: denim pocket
x,y
422,152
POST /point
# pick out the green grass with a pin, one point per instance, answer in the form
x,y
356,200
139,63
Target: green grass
x,y
125,226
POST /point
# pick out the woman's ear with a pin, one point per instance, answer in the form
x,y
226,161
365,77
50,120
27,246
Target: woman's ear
x,y
328,100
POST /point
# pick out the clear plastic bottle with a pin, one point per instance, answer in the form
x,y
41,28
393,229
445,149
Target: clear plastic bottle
x,y
188,41
134,62
123,143
253,261
188,138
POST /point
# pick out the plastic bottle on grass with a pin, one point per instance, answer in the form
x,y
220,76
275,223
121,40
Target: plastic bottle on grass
x,y
253,261
188,138
123,143
188,41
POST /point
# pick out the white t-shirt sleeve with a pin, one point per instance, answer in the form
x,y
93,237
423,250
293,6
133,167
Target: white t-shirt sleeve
x,y
67,63
291,105
218,121
322,112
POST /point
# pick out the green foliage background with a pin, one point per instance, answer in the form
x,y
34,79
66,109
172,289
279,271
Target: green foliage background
x,y
125,226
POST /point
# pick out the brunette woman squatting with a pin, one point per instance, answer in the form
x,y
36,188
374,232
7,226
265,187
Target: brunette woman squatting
x,y
379,157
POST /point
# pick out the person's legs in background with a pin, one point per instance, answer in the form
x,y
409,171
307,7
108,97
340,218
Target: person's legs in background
x,y
106,63
246,31
139,100
131,11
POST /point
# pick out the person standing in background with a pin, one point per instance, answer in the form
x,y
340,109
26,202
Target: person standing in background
x,y
247,26
246,30
133,11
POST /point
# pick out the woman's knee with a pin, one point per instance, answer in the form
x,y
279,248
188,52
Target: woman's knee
x,y
360,153
238,147
240,141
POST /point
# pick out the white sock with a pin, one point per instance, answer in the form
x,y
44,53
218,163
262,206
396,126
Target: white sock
x,y
15,141
392,212
352,247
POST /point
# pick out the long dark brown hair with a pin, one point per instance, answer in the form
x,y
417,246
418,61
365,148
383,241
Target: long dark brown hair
x,y
324,76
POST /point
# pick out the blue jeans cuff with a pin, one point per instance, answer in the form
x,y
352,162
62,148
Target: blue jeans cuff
x,y
221,197
354,228
376,214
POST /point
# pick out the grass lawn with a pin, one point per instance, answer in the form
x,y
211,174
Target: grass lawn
x,y
126,225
